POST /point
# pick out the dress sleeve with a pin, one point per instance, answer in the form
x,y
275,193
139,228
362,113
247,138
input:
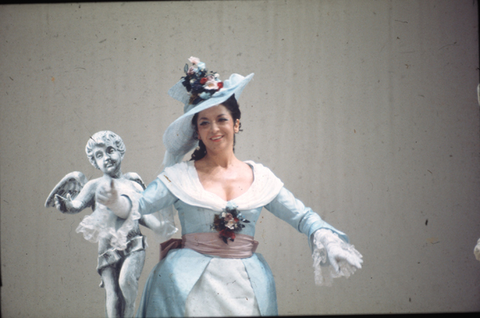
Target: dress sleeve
x,y
155,207
293,211
332,254
155,197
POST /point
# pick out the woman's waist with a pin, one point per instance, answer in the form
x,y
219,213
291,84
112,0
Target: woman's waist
x,y
240,246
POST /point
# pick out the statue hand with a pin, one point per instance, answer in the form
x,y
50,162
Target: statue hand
x,y
64,205
107,194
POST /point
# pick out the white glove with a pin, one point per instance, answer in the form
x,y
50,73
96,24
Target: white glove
x,y
476,250
340,258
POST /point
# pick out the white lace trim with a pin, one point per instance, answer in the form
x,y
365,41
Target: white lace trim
x,y
327,247
166,227
101,225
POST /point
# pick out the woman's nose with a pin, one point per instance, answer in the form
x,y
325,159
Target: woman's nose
x,y
214,126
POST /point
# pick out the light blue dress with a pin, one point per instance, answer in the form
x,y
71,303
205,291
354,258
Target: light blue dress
x,y
172,279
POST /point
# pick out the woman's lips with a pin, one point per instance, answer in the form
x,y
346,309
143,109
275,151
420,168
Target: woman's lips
x,y
216,138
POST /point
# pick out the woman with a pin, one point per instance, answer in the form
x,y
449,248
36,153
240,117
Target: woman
x,y
215,271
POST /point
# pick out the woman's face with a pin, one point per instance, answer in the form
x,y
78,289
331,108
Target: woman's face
x,y
216,128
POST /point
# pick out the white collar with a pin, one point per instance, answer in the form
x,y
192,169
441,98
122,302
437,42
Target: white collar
x,y
182,180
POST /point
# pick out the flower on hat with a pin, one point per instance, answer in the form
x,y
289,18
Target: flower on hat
x,y
204,96
200,83
179,136
212,84
191,70
201,66
194,60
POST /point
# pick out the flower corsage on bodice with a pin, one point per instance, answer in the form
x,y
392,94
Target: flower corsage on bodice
x,y
229,222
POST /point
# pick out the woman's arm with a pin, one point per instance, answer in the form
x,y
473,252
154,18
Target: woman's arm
x,y
333,255
294,212
155,198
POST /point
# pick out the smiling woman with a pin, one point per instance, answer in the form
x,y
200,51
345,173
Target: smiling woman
x,y
231,110
219,200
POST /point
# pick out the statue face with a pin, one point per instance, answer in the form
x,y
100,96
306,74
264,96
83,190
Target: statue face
x,y
108,159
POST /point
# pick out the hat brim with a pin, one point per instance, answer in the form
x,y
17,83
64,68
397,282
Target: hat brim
x,y
178,137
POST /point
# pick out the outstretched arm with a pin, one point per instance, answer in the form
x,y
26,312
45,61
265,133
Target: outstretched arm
x,y
108,195
331,250
67,205
83,200
155,205
150,221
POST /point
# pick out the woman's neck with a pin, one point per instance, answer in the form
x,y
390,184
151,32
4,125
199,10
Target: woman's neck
x,y
225,176
220,160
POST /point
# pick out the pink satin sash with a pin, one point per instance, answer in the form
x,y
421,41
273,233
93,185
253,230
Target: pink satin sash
x,y
210,243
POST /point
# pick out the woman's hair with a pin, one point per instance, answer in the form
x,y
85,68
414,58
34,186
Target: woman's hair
x,y
103,138
234,109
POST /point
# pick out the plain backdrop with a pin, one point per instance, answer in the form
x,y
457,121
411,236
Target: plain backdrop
x,y
367,110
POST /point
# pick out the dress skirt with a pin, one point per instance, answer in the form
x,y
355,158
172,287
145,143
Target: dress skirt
x,y
187,283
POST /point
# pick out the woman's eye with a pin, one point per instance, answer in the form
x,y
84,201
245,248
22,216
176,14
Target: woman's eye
x,y
222,119
203,123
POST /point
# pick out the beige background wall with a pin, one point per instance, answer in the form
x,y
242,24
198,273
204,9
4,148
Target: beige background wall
x,y
367,110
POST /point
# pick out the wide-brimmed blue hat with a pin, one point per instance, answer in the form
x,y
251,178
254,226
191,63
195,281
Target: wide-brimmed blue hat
x,y
179,137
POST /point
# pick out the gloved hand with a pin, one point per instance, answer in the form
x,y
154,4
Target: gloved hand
x,y
476,250
342,257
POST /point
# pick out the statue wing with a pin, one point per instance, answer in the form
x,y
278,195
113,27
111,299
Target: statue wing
x,y
71,184
133,176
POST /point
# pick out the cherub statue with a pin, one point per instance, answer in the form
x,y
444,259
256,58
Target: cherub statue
x,y
121,245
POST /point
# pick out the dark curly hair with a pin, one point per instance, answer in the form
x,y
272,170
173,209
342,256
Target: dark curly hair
x,y
232,105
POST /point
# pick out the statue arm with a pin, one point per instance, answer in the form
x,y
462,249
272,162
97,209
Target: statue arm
x,y
83,200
